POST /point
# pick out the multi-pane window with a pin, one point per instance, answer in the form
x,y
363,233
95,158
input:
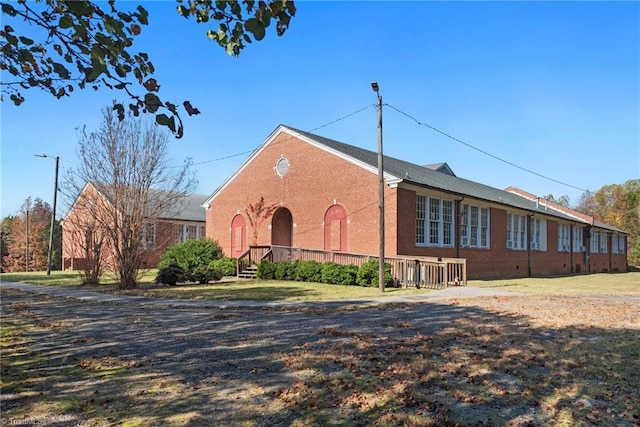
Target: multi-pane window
x,y
184,232
564,237
447,222
539,234
149,236
475,228
516,231
421,203
594,242
435,223
603,243
578,239
436,229
617,244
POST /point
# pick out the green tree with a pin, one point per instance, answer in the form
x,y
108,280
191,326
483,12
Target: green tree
x,y
563,200
617,205
77,44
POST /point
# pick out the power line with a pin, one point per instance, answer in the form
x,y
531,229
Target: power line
x,y
483,151
312,130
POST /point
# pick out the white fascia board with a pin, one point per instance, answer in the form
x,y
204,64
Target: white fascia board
x,y
363,165
243,166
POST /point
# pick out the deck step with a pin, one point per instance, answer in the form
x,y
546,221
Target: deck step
x,y
249,272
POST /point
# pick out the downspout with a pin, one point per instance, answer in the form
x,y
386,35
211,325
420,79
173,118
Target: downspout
x,y
609,250
458,225
571,231
529,235
587,247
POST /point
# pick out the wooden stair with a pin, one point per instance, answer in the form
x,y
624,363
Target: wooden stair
x,y
249,272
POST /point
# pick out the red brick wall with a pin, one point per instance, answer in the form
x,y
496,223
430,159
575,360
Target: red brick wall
x,y
72,250
499,261
315,181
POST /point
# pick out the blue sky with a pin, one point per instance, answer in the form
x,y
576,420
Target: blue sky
x,y
553,87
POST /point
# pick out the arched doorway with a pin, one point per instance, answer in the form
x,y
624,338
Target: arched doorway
x,y
238,236
335,229
282,228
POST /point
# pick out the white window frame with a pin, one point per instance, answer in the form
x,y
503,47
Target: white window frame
x,y
564,237
433,216
516,232
578,239
604,237
593,242
149,235
618,245
475,225
538,234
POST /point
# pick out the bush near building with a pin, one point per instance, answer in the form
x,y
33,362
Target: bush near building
x,y
329,272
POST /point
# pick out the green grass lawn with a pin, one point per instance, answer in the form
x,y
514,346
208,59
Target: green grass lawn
x,y
66,278
271,290
584,284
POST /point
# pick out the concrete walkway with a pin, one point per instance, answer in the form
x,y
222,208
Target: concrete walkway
x,y
86,295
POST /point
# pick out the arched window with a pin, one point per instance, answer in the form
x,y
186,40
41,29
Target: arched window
x,y
238,236
335,229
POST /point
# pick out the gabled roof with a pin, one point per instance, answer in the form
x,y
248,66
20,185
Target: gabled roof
x,y
397,171
548,204
440,167
188,209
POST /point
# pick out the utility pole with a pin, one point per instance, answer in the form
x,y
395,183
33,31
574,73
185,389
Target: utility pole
x,y
26,232
381,264
53,213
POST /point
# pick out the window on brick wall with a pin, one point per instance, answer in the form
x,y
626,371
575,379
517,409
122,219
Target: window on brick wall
x,y
564,237
538,234
578,239
184,232
149,236
618,244
594,242
604,237
516,231
475,227
434,221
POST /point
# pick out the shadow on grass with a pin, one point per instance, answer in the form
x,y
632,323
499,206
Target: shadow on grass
x,y
423,364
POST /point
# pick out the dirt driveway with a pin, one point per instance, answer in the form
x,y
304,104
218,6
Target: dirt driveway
x,y
492,360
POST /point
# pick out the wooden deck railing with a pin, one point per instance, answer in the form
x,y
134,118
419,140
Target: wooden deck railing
x,y
428,272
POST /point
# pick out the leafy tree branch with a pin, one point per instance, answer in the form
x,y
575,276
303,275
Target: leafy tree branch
x,y
80,44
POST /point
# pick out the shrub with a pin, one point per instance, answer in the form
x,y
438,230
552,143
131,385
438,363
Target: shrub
x,y
338,274
368,274
204,275
266,270
349,275
286,270
226,266
192,254
170,274
308,271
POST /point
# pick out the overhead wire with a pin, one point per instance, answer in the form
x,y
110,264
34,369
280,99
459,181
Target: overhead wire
x,y
346,116
421,123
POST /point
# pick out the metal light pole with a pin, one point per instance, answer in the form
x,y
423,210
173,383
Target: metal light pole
x,y
381,264
53,213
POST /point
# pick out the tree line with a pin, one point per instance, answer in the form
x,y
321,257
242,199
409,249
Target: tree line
x,y
24,239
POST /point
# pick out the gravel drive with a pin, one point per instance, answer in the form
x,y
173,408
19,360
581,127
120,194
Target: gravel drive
x,y
212,363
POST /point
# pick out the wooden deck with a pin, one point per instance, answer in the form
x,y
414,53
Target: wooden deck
x,y
428,272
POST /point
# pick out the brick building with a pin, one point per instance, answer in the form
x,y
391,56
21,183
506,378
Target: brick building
x,y
327,197
184,221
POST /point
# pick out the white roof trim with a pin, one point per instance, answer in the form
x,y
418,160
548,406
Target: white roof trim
x,y
283,129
